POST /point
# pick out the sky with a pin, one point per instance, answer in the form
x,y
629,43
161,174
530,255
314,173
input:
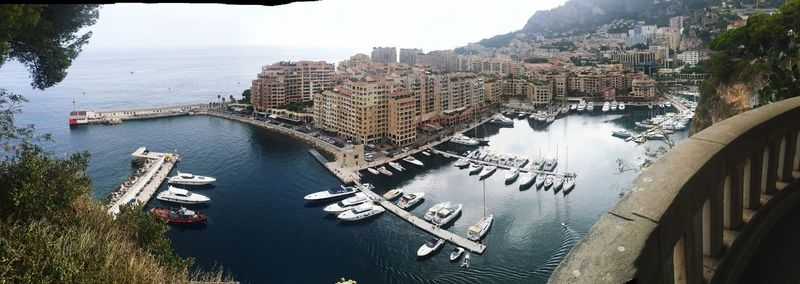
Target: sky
x,y
426,24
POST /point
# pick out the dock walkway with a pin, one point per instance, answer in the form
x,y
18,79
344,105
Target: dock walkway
x,y
145,186
424,225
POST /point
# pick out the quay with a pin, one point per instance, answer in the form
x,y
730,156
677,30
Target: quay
x,y
117,116
159,165
424,225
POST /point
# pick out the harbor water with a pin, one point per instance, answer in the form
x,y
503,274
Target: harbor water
x,y
262,231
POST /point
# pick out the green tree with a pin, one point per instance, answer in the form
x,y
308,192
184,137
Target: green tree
x,y
246,96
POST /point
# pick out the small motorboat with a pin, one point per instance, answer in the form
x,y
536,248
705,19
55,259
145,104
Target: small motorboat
x,y
347,203
487,171
179,195
548,181
181,215
392,194
410,199
335,192
590,106
621,106
512,175
540,180
475,168
365,210
527,179
190,179
606,107
558,181
456,253
569,182
373,171
614,105
397,166
413,160
573,106
461,163
430,246
446,214
465,263
621,133
432,211
426,152
384,171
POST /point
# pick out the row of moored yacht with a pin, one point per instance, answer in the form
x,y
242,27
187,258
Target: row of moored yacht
x,y
397,166
182,196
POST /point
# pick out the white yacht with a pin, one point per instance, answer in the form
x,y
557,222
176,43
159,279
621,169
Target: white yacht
x,y
392,194
397,166
384,171
190,179
463,140
461,163
500,119
540,180
456,253
550,164
558,181
347,203
373,171
581,105
426,152
475,168
410,199
465,263
614,105
569,182
331,193
621,133
432,211
590,106
412,160
446,214
179,195
574,107
477,231
606,106
527,179
512,175
548,181
362,211
487,171
430,246
621,106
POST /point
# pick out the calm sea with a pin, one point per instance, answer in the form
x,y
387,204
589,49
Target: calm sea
x,y
260,228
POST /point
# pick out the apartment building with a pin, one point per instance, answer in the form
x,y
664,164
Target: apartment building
x,y
409,55
384,55
643,89
357,110
290,82
402,119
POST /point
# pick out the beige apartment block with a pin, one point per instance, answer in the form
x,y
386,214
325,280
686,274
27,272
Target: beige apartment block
x,y
290,82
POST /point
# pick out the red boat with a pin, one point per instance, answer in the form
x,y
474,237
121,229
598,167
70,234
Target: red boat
x,y
181,215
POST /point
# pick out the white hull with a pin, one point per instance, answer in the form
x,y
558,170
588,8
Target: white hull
x,y
477,231
328,194
413,160
182,196
425,250
488,171
441,221
354,216
409,200
429,214
190,179
528,179
397,166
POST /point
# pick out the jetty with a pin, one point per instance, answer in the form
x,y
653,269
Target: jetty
x,y
499,166
424,225
117,116
140,188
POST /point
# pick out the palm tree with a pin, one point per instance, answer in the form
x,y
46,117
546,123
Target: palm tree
x,y
219,97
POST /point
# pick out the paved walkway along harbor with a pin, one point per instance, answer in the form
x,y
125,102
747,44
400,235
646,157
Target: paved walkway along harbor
x,y
146,185
425,226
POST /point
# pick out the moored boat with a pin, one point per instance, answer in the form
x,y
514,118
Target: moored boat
x,y
426,152
606,107
463,140
347,203
392,194
397,166
384,171
590,106
548,181
614,105
410,199
621,133
181,215
621,106
335,192
558,181
456,253
362,211
179,195
461,163
430,246
465,263
487,171
475,168
477,231
527,179
373,171
512,175
540,180
446,214
432,211
412,160
190,179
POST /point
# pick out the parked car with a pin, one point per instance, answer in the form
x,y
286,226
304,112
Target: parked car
x,y
371,145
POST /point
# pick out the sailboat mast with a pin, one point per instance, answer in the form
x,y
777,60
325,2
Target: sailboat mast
x,y
484,198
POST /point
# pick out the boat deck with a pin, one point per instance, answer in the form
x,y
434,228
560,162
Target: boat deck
x,y
424,225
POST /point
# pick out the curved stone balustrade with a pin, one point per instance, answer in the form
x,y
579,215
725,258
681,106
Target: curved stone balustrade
x,y
700,212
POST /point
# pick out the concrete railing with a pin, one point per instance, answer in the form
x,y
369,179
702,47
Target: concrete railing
x,y
700,212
